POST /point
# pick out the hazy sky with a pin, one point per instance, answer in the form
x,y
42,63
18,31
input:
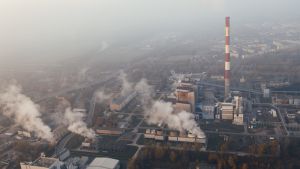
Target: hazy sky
x,y
65,28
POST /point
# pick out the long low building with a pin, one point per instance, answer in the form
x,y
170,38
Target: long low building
x,y
174,136
153,134
109,131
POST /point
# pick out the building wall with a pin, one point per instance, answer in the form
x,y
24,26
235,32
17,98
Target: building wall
x,y
115,107
238,119
25,166
187,97
182,107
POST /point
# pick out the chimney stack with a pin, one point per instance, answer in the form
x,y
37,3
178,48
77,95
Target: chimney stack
x,y
227,58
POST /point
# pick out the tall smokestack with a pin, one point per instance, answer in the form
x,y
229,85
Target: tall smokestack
x,y
227,58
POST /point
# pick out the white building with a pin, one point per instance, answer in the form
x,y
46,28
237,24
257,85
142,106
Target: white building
x,y
104,163
226,111
238,117
232,111
267,93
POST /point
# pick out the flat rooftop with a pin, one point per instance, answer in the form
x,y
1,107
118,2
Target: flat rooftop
x,y
42,162
103,163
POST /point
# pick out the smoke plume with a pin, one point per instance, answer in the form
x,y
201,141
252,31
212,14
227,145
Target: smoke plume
x,y
82,74
145,92
76,124
24,112
162,113
101,96
126,85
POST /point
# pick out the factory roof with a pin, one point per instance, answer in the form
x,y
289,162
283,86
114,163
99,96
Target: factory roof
x,y
103,163
189,89
183,102
43,162
79,110
47,162
227,104
186,81
110,128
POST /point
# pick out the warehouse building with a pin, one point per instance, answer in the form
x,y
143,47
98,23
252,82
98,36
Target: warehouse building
x,y
104,163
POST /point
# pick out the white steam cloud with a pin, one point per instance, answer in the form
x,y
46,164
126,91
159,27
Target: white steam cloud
x,y
82,74
163,113
160,112
101,96
24,112
126,85
145,92
75,123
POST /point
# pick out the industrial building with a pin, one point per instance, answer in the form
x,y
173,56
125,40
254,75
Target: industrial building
x,y
154,134
238,117
267,93
206,110
226,111
232,111
186,93
117,104
83,111
43,163
284,99
182,106
104,163
174,136
110,131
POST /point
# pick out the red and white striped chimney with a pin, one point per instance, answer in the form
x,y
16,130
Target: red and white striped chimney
x,y
227,58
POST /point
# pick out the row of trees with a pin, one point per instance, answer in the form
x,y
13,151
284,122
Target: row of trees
x,y
163,156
